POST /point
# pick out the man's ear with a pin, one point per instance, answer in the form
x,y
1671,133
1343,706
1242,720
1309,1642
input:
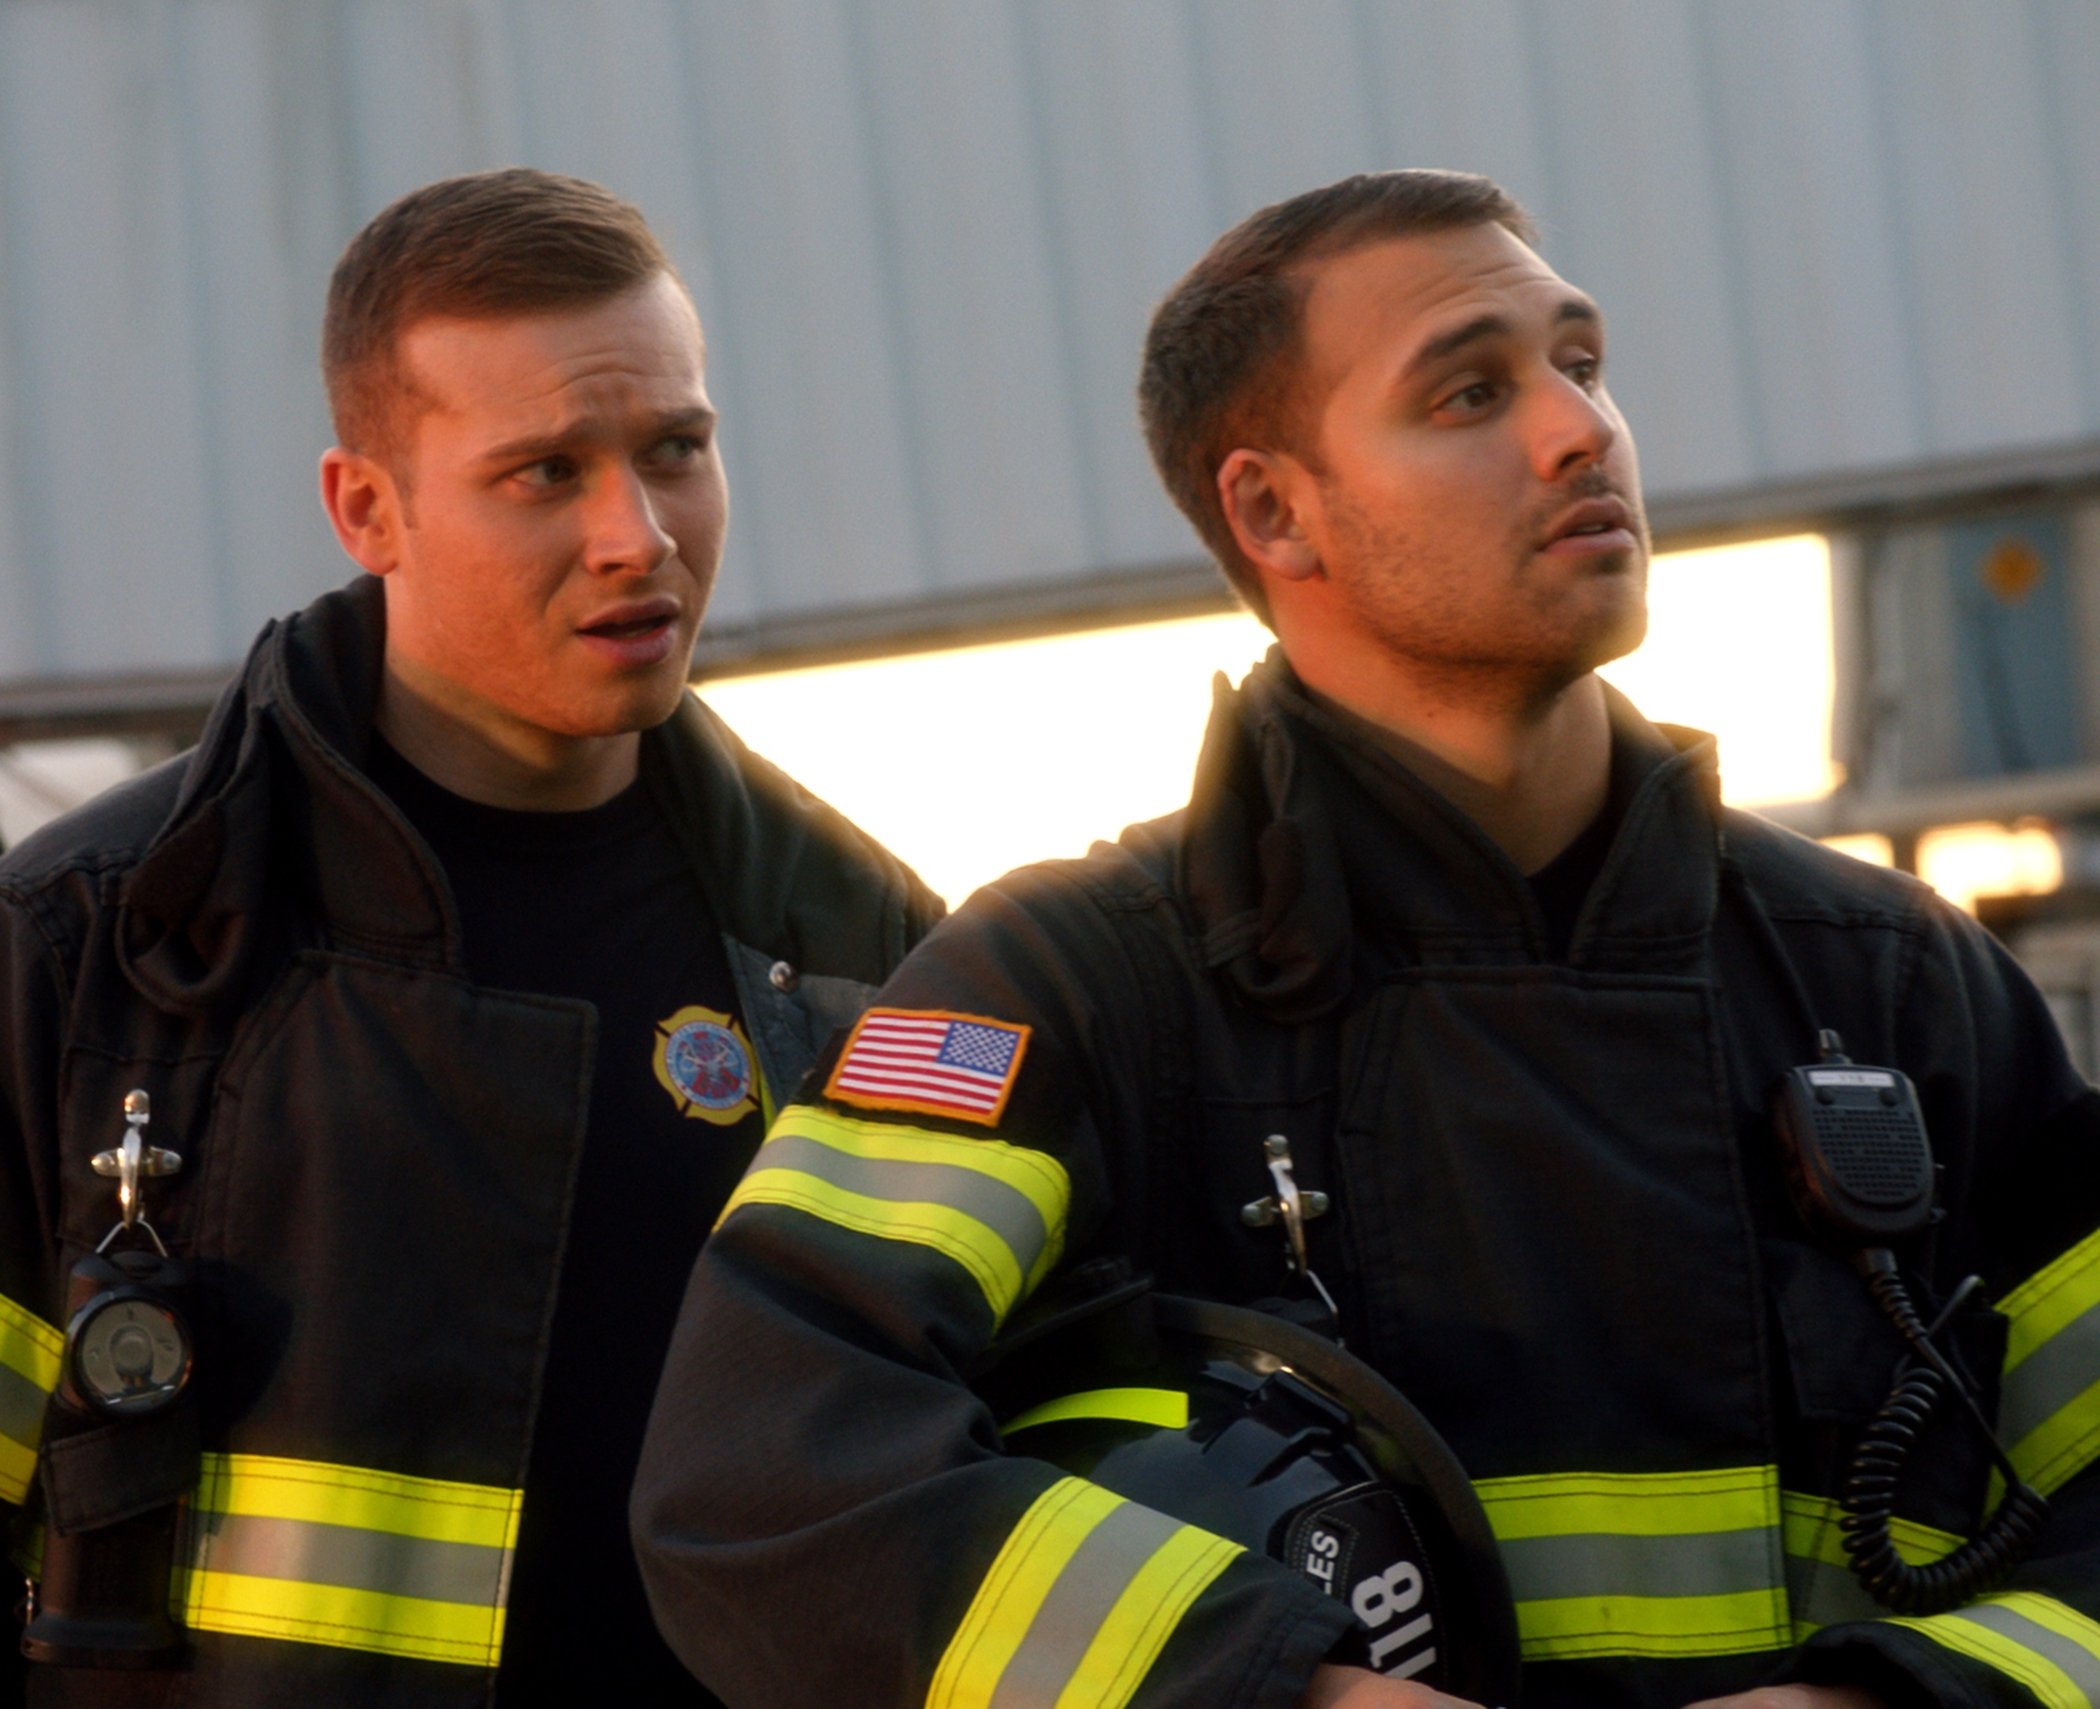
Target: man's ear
x,y
363,502
1264,494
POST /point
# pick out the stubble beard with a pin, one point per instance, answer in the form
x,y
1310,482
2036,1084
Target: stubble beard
x,y
1416,602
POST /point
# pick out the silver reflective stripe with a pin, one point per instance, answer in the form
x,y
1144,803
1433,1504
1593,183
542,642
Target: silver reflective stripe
x,y
1710,1563
21,1407
315,1553
2051,1377
1825,1595
1005,1211
1078,1606
2078,1663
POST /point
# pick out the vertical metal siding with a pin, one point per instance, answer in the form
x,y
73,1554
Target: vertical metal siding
x,y
925,235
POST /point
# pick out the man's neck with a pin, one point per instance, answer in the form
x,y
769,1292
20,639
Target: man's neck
x,y
1532,773
497,761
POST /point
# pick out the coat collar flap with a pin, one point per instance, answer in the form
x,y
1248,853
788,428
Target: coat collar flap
x,y
1303,834
274,797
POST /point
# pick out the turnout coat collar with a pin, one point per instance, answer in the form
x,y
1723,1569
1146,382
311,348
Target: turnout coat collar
x,y
276,791
1305,839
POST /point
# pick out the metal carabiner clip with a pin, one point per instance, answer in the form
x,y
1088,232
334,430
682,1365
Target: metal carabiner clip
x,y
1294,1208
131,1162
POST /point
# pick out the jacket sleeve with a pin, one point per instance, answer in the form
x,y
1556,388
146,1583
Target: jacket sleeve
x,y
824,1512
2022,1147
31,1006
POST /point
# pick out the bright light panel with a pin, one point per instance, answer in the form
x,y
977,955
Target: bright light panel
x,y
1739,643
975,760
1963,862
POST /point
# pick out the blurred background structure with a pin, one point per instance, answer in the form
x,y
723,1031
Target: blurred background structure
x,y
1850,249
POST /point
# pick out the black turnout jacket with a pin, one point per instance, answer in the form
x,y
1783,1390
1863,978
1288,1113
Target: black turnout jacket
x,y
377,1158
1560,1227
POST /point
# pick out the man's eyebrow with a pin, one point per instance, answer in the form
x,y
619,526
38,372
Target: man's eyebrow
x,y
1493,326
567,433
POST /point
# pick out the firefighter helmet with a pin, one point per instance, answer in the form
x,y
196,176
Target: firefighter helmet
x,y
1252,1427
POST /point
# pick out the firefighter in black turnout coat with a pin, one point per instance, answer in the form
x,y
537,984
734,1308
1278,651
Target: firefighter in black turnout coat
x,y
1481,945
460,963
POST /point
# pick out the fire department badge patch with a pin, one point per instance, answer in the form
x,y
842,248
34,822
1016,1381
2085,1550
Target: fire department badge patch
x,y
704,1061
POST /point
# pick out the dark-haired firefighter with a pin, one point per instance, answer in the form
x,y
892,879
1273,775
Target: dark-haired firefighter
x,y
1481,944
461,963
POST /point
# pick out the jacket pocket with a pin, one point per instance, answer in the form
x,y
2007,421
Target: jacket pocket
x,y
1844,1356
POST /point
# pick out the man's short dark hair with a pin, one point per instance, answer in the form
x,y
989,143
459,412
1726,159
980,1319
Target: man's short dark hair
x,y
513,241
1219,359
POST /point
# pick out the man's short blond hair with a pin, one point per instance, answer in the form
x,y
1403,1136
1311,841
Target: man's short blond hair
x,y
509,242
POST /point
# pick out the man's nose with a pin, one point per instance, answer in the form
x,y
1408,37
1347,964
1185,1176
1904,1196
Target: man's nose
x,y
1574,426
625,532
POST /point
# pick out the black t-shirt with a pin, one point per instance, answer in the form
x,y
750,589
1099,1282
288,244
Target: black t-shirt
x,y
1563,884
603,906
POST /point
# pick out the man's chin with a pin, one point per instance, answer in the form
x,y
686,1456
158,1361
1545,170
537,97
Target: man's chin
x,y
1621,638
638,707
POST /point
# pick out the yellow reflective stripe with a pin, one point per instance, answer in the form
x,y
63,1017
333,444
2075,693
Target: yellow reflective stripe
x,y
997,1210
989,1262
2050,1407
29,1345
348,1556
344,1618
1166,1408
17,1469
1641,1504
1144,1617
259,1486
2036,1641
1812,1533
31,1352
1077,1605
1035,1552
2050,1300
1821,1588
1642,1564
1035,1175
1576,1627
2055,1451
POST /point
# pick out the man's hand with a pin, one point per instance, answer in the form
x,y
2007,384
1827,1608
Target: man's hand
x,y
1358,1688
1793,1697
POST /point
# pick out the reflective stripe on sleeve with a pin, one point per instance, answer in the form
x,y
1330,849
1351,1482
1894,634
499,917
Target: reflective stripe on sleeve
x,y
997,1210
2049,1411
1168,1409
30,1356
1821,1589
1642,1564
1081,1599
340,1555
2052,1650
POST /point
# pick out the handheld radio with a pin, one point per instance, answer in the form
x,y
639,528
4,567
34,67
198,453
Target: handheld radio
x,y
1860,1169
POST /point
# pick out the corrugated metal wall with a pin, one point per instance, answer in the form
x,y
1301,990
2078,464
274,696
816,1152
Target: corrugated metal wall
x,y
1833,235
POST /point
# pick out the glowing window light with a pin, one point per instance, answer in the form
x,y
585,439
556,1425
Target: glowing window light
x,y
1963,862
1739,643
974,760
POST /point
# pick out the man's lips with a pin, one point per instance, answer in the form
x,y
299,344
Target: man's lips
x,y
1603,524
632,621
639,632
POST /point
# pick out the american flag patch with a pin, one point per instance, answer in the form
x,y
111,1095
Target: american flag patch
x,y
930,1061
